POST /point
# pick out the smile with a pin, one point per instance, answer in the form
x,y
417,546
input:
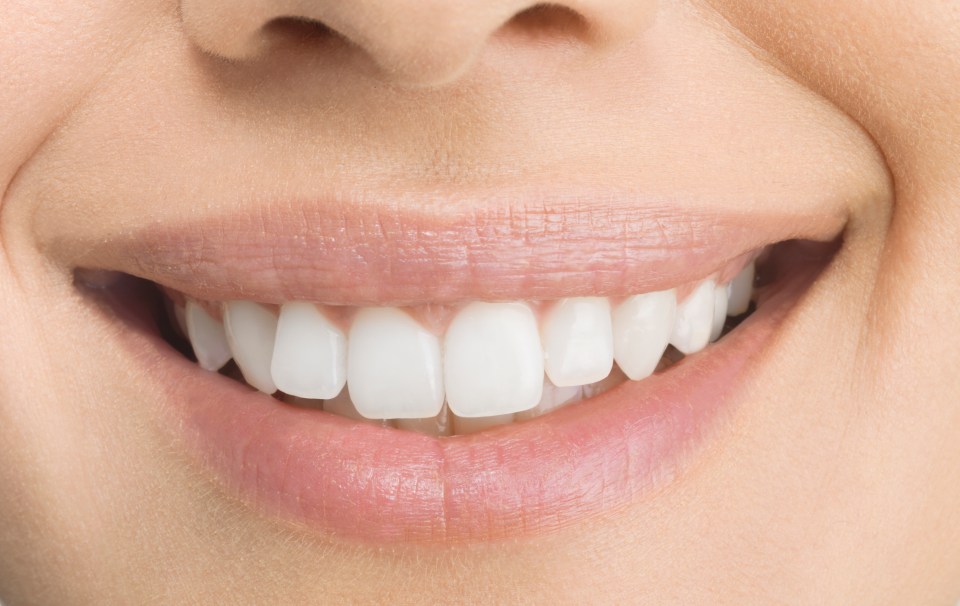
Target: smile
x,y
448,370
408,407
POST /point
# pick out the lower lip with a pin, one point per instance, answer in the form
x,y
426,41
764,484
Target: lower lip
x,y
380,485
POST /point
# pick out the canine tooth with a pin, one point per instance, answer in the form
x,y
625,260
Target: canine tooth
x,y
208,337
394,367
720,295
741,290
578,341
691,331
642,326
493,362
553,397
310,353
251,330
465,425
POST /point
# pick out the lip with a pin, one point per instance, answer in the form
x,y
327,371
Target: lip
x,y
360,482
352,253
357,481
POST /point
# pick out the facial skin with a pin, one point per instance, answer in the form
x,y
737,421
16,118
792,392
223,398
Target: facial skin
x,y
837,479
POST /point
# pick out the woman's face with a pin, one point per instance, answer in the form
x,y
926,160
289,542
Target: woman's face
x,y
392,165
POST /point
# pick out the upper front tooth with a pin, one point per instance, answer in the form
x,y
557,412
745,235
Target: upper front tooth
x,y
691,332
394,368
493,362
578,341
641,330
207,337
720,295
741,289
251,331
310,354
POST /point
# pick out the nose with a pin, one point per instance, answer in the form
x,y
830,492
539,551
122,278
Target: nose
x,y
412,42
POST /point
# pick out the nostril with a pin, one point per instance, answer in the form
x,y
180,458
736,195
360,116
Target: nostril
x,y
549,21
301,30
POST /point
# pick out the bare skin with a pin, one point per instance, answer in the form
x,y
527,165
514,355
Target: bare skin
x,y
836,480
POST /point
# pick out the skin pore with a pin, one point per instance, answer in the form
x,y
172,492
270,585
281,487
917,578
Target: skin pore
x,y
835,479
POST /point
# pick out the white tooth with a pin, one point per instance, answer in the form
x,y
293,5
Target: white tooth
x,y
207,336
310,353
720,295
741,290
642,325
251,330
493,363
440,425
464,425
691,331
578,341
553,397
394,366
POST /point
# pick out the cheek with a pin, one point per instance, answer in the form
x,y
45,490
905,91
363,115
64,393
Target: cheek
x,y
52,54
895,68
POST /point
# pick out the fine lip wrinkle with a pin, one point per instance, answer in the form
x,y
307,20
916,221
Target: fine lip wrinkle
x,y
376,254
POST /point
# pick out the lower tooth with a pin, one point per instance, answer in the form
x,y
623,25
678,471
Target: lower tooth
x,y
342,405
303,402
465,425
616,377
440,425
553,397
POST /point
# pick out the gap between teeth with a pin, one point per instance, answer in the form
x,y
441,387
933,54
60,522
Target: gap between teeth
x,y
494,362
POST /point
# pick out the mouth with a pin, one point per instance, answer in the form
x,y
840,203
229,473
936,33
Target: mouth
x,y
462,386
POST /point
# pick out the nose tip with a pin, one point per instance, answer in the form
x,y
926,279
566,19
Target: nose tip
x,y
411,42
430,43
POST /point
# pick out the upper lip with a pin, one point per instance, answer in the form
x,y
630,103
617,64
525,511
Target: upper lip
x,y
341,252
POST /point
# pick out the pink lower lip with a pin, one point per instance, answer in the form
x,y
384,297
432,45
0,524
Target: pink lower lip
x,y
363,482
